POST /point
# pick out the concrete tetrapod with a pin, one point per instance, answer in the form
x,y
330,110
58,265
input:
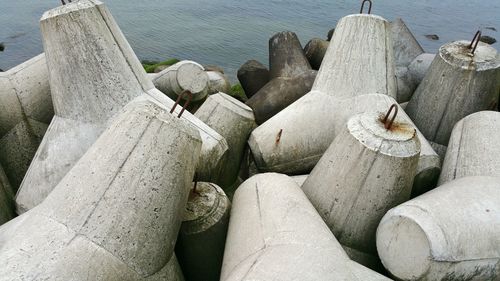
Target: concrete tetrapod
x,y
315,51
252,75
308,126
218,82
280,93
184,75
86,97
200,245
418,67
116,214
25,110
275,234
449,233
367,170
473,149
464,82
286,56
6,199
234,121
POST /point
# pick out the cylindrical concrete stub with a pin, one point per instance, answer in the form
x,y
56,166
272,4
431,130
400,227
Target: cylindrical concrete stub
x,y
218,82
286,56
200,245
449,233
276,234
280,93
419,66
465,84
234,121
360,50
315,50
184,75
252,75
367,161
473,149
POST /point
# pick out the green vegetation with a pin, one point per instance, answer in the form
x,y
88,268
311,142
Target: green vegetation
x,y
150,66
238,92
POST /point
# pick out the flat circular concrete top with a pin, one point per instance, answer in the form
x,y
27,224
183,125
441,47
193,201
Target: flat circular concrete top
x,y
233,104
458,54
202,202
192,77
399,131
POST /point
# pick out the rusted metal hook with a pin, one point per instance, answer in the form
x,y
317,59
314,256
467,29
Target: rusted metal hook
x,y
64,3
363,5
388,125
475,41
188,100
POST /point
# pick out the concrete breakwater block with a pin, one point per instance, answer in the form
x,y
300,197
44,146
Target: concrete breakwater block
x,y
25,110
85,98
449,233
234,121
320,117
464,82
184,75
252,75
418,67
286,56
280,93
473,148
6,199
117,212
367,170
276,234
406,47
200,245
315,51
218,82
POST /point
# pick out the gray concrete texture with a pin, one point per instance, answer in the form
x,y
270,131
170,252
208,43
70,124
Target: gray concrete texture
x,y
286,56
449,233
234,121
276,234
25,110
315,51
366,171
457,84
200,245
252,75
218,82
116,214
473,149
6,199
85,98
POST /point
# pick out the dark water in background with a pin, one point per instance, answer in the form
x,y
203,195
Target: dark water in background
x,y
229,32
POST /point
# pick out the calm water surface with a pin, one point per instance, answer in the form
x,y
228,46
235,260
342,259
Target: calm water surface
x,y
229,32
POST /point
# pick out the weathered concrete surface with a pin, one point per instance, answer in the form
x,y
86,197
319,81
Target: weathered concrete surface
x,y
218,82
366,171
276,234
465,84
116,214
419,66
405,85
25,110
321,118
200,245
280,93
286,56
360,50
184,75
473,149
449,233
6,198
299,180
406,47
315,51
171,272
252,75
234,121
86,97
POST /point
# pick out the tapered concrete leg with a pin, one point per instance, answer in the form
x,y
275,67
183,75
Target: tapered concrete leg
x,y
6,199
315,50
218,82
360,50
286,56
366,161
184,75
442,235
406,47
116,214
419,66
234,121
275,234
465,84
171,272
473,149
280,93
252,75
85,98
200,246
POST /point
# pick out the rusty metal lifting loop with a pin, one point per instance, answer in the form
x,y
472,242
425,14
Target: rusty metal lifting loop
x,y
64,3
188,100
475,41
388,125
363,5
